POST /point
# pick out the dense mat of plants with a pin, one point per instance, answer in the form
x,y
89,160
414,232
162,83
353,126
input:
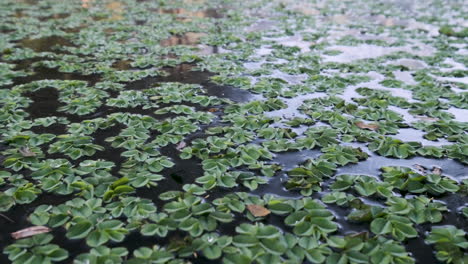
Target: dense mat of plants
x,y
233,131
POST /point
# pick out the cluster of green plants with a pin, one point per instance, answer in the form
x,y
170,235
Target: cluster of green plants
x,y
127,117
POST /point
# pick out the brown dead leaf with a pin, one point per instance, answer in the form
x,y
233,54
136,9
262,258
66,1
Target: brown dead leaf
x,y
437,170
258,210
211,110
363,125
30,231
181,145
26,152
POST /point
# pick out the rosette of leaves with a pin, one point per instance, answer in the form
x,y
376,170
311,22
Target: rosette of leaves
x,y
376,114
81,101
103,254
310,176
155,254
74,146
419,209
35,249
238,135
450,244
459,100
382,250
248,155
276,133
441,128
364,185
431,109
389,147
268,86
22,157
194,216
89,126
231,179
127,99
134,208
321,136
180,126
339,198
397,226
458,152
255,107
94,168
342,155
264,238
357,248
129,138
310,218
405,179
212,245
248,122
431,151
8,73
51,172
96,231
20,191
118,188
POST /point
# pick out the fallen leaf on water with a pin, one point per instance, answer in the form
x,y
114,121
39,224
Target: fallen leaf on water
x,y
30,231
367,126
437,171
420,168
258,210
181,145
26,152
212,110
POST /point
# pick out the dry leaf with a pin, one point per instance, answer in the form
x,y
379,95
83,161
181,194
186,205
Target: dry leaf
x,y
437,171
212,110
373,127
26,152
425,118
181,145
30,231
258,210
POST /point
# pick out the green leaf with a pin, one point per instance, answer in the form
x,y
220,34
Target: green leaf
x,y
79,230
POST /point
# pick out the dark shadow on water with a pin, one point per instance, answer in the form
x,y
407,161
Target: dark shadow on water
x,y
43,73
184,74
51,43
